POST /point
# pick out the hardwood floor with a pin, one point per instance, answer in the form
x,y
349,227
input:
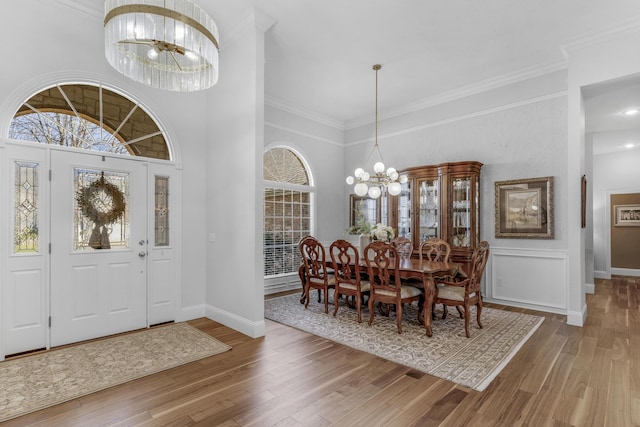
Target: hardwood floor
x,y
563,376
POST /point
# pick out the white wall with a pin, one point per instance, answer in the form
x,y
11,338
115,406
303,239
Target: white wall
x,y
235,117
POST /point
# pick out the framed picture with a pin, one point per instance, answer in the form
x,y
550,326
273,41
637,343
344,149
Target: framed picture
x,y
627,215
524,208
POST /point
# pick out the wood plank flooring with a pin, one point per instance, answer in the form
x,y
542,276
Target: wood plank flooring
x,y
563,376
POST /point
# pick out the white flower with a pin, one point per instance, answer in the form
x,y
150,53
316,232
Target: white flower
x,y
382,232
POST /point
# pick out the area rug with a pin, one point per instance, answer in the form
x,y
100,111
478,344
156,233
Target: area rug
x,y
473,362
41,380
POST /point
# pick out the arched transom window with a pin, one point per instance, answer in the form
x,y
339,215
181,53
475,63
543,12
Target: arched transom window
x,y
288,198
90,117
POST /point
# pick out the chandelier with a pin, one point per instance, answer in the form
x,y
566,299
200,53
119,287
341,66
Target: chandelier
x,y
165,44
380,180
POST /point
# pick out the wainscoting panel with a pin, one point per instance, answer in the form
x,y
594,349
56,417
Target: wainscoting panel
x,y
528,278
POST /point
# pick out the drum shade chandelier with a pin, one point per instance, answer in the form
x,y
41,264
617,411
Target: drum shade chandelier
x,y
165,44
374,185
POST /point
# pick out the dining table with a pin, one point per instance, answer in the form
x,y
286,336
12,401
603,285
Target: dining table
x,y
414,268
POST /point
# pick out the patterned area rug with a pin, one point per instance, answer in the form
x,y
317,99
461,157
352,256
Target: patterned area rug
x,y
473,362
35,382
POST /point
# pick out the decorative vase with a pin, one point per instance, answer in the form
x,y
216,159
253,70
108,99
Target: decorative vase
x,y
365,239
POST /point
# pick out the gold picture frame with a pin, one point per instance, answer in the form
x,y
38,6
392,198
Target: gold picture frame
x,y
524,208
627,215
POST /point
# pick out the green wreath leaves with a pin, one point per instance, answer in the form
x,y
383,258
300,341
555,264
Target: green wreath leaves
x,y
89,197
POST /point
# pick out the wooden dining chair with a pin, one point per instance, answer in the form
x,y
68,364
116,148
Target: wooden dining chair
x,y
383,267
466,293
435,249
316,273
403,245
346,262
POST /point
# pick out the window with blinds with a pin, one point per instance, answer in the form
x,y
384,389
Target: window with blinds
x,y
287,210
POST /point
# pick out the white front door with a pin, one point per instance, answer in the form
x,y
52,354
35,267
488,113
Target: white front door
x,y
98,266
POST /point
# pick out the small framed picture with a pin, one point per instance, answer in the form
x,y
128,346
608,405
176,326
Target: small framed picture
x,y
524,208
627,215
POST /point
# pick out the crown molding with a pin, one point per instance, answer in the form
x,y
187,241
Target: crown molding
x,y
264,22
299,111
612,32
304,134
461,117
85,8
250,21
465,91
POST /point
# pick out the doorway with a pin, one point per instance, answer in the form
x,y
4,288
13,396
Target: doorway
x,y
612,142
69,277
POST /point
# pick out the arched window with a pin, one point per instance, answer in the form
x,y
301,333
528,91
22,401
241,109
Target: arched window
x,y
288,198
91,117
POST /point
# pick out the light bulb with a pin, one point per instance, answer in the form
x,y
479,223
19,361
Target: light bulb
x,y
350,180
365,176
152,53
378,167
403,179
361,189
390,171
358,172
393,175
394,188
374,192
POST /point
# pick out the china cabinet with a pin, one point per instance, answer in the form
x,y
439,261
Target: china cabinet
x,y
440,201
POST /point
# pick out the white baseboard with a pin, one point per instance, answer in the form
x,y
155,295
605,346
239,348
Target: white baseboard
x,y
576,318
240,324
599,274
529,306
590,288
625,272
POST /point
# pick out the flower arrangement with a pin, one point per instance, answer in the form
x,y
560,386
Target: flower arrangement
x,y
382,232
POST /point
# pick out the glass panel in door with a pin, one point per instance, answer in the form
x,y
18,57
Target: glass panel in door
x,y
26,225
101,210
461,212
404,211
161,201
429,209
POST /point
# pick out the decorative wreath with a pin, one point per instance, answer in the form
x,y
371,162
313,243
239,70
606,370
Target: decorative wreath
x,y
101,202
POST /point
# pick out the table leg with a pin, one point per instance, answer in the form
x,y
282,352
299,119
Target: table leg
x,y
429,292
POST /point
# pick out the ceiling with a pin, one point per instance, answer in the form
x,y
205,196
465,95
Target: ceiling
x,y
319,53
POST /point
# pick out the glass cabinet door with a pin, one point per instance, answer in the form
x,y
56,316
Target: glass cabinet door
x,y
405,217
461,209
429,209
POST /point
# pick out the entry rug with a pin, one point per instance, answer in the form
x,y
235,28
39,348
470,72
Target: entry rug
x,y
35,382
473,362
